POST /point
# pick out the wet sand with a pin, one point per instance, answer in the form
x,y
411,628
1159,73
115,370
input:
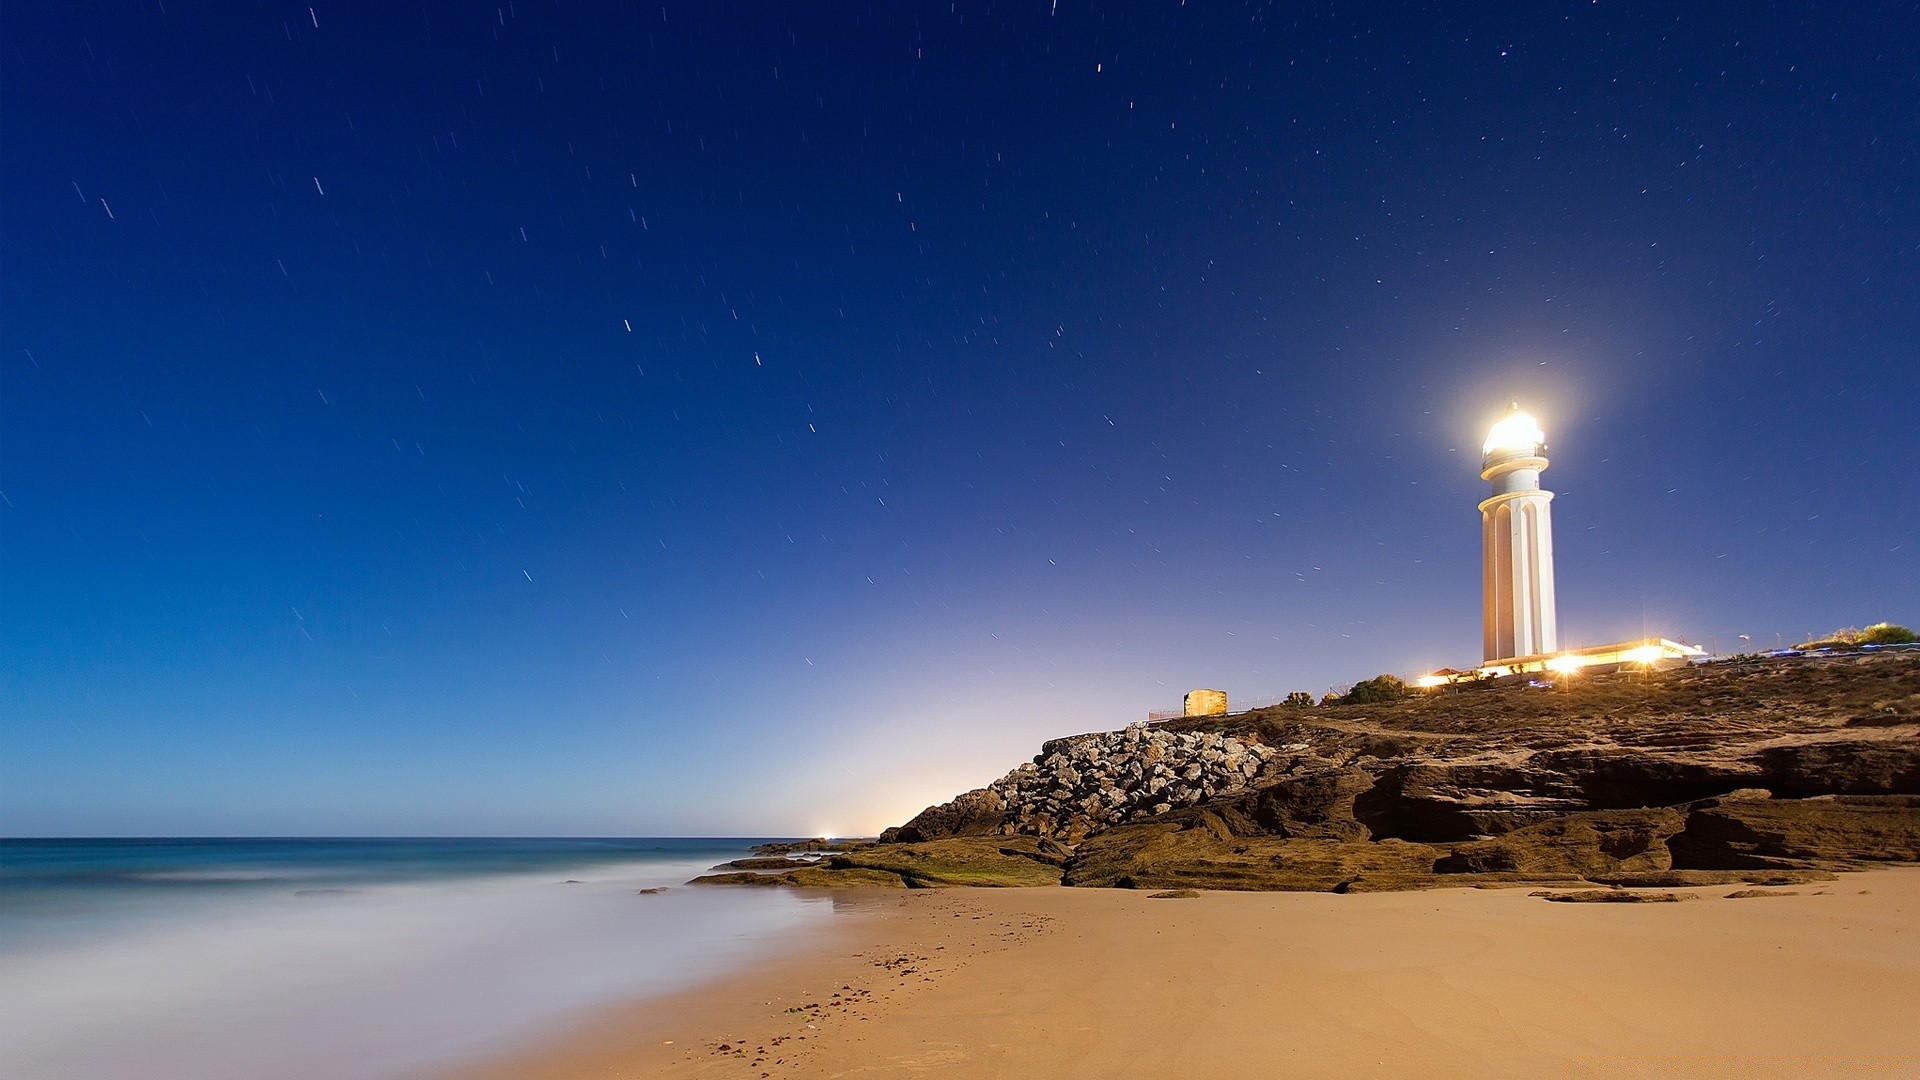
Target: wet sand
x,y
1107,983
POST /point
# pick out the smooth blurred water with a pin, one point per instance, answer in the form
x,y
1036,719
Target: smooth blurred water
x,y
356,959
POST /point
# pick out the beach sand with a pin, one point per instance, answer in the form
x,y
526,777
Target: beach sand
x,y
1107,983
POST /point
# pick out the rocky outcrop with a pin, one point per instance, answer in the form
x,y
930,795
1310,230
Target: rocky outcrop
x,y
1617,896
980,862
1586,844
980,812
1750,833
1764,774
818,843
1080,785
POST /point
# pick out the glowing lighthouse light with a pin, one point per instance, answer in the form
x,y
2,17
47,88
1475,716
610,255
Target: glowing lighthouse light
x,y
1517,532
1514,433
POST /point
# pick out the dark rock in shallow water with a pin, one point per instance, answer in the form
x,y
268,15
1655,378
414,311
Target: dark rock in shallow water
x,y
741,877
999,861
783,847
652,892
776,862
821,878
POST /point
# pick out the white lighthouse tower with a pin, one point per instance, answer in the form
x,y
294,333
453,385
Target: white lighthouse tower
x,y
1518,535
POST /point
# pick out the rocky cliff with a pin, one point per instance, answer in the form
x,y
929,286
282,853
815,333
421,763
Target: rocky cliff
x,y
1721,772
1087,783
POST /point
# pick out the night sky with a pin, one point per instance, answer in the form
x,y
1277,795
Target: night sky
x,y
770,419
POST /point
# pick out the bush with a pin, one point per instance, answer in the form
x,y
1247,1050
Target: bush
x,y
1374,691
1299,699
1886,633
1880,633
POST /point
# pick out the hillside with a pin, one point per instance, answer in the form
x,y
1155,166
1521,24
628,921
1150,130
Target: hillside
x,y
1763,770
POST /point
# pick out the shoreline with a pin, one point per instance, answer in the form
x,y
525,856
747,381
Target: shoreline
x,y
1807,980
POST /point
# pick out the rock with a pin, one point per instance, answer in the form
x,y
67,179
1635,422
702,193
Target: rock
x,y
777,862
1317,803
806,877
1786,833
652,892
1201,850
1173,894
975,813
1080,785
814,877
742,877
1587,843
782,847
1749,894
1680,879
1618,896
1704,775
979,861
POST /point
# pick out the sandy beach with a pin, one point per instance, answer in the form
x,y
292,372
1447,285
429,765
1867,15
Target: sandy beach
x,y
1809,980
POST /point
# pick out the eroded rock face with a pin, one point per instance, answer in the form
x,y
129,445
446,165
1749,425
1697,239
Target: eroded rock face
x,y
1749,833
1080,785
979,812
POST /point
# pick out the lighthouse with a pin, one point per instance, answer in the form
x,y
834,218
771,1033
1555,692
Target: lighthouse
x,y
1522,639
1517,534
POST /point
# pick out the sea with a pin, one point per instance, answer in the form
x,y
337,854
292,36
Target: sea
x,y
350,959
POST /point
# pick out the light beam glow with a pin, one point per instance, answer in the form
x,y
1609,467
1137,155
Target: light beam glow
x,y
1516,432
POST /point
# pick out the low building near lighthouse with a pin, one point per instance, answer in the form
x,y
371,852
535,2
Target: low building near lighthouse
x,y
1205,703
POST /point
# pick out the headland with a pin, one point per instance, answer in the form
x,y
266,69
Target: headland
x,y
1765,772
1699,872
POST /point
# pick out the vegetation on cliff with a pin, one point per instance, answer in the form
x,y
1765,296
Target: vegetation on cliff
x,y
1880,633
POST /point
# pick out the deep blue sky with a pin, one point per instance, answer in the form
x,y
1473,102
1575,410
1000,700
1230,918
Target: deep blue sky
x,y
751,418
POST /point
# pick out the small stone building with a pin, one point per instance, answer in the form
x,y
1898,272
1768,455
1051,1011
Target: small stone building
x,y
1206,703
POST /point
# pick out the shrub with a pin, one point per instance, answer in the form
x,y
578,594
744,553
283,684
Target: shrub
x,y
1380,688
1886,633
1299,699
1880,633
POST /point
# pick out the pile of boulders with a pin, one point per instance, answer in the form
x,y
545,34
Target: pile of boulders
x,y
1080,785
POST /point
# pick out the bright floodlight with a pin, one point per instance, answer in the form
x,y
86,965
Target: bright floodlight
x,y
1517,432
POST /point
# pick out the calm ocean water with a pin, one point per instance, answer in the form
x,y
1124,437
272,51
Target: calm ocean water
x,y
355,959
